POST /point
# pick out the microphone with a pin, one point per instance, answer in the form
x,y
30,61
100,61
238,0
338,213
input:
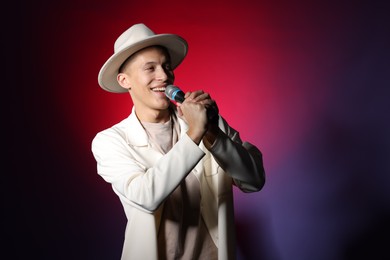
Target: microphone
x,y
174,93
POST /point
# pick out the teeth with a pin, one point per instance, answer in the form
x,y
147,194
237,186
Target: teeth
x,y
159,89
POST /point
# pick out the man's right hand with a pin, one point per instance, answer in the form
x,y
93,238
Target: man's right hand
x,y
195,115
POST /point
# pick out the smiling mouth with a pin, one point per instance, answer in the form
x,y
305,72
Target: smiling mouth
x,y
161,89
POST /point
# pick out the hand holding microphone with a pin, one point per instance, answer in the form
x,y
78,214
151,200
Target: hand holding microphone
x,y
176,94
196,108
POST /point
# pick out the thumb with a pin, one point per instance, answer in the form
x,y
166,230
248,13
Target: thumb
x,y
179,112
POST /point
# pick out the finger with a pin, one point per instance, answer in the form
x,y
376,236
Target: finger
x,y
187,94
194,95
202,96
208,102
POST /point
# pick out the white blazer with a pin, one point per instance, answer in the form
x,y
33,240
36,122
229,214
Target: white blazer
x,y
143,178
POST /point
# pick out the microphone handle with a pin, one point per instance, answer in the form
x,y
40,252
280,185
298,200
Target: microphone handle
x,y
178,96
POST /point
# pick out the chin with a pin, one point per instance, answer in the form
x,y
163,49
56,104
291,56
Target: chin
x,y
164,105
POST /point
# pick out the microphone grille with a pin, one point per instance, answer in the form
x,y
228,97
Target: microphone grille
x,y
169,90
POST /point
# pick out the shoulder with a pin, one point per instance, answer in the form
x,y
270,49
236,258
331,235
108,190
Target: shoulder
x,y
113,134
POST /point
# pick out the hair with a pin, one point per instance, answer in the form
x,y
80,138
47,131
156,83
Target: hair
x,y
127,61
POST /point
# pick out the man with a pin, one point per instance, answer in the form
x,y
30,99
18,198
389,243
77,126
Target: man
x,y
172,165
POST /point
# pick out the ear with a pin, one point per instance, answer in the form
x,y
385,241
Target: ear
x,y
124,81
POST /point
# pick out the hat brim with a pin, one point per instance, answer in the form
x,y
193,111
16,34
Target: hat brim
x,y
176,46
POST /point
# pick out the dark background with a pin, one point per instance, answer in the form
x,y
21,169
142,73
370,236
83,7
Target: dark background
x,y
308,83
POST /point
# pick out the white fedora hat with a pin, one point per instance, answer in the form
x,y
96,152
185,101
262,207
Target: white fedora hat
x,y
132,40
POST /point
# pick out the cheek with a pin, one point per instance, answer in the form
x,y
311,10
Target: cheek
x,y
140,80
172,78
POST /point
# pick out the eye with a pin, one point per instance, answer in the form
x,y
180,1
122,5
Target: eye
x,y
167,67
149,68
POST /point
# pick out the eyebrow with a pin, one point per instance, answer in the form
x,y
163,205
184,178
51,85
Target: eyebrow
x,y
155,62
150,63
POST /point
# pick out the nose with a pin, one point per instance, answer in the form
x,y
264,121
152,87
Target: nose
x,y
161,74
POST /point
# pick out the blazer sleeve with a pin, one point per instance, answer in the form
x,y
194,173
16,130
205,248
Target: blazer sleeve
x,y
144,187
241,160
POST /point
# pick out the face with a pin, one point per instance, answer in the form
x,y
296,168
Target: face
x,y
146,75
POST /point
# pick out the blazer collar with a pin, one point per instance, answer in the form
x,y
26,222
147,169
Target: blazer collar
x,y
136,134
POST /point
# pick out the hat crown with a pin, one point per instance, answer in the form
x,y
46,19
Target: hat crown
x,y
135,33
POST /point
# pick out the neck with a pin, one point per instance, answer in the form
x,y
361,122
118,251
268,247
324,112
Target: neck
x,y
154,116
